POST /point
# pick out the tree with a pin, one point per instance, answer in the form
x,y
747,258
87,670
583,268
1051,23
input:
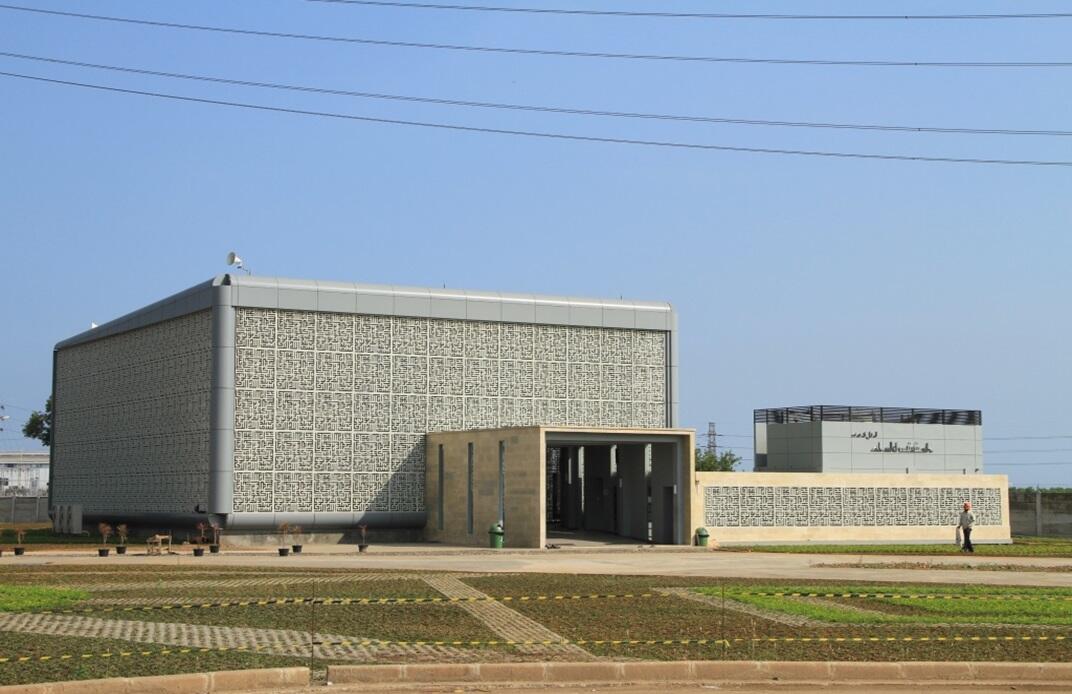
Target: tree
x,y
725,461
39,425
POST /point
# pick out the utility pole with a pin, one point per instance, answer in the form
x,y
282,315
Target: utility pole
x,y
711,438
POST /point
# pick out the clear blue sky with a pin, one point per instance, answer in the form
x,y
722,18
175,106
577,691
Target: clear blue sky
x,y
798,280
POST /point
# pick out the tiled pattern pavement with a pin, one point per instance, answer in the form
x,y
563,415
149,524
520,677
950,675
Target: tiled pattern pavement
x,y
246,582
507,623
273,641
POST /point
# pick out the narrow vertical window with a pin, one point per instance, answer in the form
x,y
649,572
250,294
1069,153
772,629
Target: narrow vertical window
x,y
469,499
502,483
439,499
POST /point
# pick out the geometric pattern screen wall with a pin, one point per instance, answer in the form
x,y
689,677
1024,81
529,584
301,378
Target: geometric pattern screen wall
x,y
756,506
331,409
132,419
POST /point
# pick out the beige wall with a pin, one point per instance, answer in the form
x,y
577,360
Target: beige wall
x,y
524,484
927,512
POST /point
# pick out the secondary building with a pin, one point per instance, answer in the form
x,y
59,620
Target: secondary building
x,y
837,438
858,474
23,473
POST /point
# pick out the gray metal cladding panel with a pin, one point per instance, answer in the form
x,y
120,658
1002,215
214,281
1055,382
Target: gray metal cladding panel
x,y
132,419
331,409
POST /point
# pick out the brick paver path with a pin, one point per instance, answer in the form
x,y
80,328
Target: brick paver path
x,y
246,582
286,642
507,623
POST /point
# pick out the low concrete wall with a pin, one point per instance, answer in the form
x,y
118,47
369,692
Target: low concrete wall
x,y
1040,512
192,683
24,509
704,671
832,508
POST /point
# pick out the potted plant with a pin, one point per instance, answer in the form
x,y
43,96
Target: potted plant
x,y
284,532
214,548
296,531
105,531
199,550
122,532
363,545
20,535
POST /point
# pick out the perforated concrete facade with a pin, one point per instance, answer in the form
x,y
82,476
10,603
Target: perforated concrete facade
x,y
793,507
316,397
331,409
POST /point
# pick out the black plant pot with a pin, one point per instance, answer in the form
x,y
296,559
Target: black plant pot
x,y
214,549
102,552
296,548
199,551
284,551
362,548
121,549
19,551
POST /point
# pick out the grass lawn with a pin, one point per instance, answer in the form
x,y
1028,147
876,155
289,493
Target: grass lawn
x,y
22,598
676,618
43,535
1022,546
14,645
943,566
656,617
985,606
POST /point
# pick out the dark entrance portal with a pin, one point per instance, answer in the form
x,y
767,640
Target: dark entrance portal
x,y
611,490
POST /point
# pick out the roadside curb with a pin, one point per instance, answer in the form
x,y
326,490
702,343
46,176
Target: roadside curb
x,y
702,670
192,683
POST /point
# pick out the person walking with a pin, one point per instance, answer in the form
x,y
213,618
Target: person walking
x,y
967,520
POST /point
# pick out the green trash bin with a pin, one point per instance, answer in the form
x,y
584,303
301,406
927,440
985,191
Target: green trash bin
x,y
701,537
495,536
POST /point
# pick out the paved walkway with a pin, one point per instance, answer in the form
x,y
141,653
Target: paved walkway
x,y
305,579
507,623
755,565
274,641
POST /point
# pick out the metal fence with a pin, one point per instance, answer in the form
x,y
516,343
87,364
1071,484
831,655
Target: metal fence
x,y
24,509
1037,512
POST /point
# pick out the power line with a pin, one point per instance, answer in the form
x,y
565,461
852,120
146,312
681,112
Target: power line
x,y
547,135
1066,462
694,15
1027,438
1029,450
728,436
547,52
535,108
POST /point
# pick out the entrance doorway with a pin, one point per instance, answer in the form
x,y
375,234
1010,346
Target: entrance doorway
x,y
606,492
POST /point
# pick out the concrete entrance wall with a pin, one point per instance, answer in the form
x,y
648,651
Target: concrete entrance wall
x,y
607,474
478,497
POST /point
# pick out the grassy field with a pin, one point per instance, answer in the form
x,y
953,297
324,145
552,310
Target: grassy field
x,y
1022,546
114,664
966,605
944,566
755,626
16,598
